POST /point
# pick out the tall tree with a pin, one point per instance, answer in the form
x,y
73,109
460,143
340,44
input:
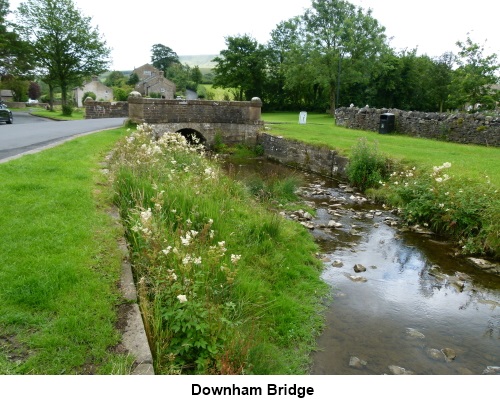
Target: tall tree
x,y
342,34
285,39
476,74
14,53
163,57
241,66
441,77
115,78
196,75
67,49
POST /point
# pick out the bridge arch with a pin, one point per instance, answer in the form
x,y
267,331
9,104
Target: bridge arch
x,y
233,122
190,134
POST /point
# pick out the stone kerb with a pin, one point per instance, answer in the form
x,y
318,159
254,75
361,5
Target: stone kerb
x,y
460,127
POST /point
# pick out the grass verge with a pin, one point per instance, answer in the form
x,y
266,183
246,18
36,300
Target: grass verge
x,y
78,114
226,286
59,262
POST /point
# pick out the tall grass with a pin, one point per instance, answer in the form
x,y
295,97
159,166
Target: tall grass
x,y
226,286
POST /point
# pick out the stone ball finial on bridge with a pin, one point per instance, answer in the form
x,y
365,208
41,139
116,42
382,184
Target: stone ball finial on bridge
x,y
135,94
256,100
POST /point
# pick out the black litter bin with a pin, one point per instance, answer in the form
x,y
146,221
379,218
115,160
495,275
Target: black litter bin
x,y
387,121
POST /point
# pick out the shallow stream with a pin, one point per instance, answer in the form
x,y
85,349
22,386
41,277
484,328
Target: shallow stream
x,y
410,306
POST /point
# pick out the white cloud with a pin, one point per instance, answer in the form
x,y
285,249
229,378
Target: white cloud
x,y
199,27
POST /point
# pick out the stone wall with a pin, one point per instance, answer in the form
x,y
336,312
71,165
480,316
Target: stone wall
x,y
103,109
461,128
316,159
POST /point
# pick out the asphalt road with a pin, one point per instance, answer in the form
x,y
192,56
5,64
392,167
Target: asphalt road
x,y
28,133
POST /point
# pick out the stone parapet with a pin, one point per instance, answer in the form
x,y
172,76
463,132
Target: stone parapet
x,y
157,111
105,109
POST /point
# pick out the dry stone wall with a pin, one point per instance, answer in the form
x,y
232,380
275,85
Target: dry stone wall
x,y
460,128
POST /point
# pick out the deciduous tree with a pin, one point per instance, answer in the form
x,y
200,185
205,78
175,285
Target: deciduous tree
x,y
341,33
66,48
476,74
14,53
241,66
163,57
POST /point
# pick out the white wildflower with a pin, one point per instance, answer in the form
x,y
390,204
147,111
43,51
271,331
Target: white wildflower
x,y
146,215
235,258
182,298
187,240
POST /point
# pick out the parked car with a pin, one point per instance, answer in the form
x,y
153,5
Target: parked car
x,y
5,114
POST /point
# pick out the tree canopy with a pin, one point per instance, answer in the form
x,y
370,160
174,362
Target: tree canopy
x,y
163,57
241,66
473,80
14,53
66,48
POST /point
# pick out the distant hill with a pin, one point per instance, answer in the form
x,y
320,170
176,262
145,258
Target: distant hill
x,y
202,61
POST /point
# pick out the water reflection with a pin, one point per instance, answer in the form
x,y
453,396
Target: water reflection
x,y
416,309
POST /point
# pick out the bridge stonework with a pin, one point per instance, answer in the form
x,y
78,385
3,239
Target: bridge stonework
x,y
229,122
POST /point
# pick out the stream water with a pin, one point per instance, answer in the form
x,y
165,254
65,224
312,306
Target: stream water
x,y
412,306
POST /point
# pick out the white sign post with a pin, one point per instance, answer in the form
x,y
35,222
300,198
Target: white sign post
x,y
302,117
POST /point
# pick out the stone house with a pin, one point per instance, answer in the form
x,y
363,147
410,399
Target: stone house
x,y
6,95
152,80
102,92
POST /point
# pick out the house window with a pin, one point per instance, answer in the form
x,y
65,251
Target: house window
x,y
147,73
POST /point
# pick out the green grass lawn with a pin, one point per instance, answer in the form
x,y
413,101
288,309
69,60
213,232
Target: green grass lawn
x,y
59,262
468,161
78,113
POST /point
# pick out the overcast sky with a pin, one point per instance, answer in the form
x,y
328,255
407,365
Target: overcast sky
x,y
196,27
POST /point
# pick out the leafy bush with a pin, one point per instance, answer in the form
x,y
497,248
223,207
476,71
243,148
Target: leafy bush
x,y
67,110
367,167
456,207
121,93
90,94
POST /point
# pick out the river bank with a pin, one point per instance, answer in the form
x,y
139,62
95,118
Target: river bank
x,y
402,301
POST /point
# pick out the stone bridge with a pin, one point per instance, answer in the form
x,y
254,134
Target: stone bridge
x,y
228,122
